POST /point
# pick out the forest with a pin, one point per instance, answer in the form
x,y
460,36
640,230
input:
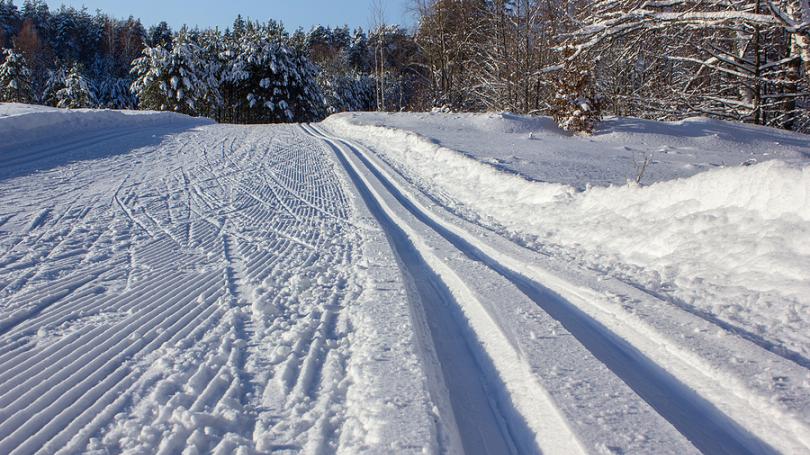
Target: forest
x,y
575,60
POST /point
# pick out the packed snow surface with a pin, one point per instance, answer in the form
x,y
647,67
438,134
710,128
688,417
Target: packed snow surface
x,y
168,285
729,242
175,287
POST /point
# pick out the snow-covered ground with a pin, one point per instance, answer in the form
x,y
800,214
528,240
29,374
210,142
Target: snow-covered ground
x,y
168,285
536,149
729,243
179,286
25,125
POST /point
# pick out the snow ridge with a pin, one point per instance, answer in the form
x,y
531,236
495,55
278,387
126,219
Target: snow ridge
x,y
21,123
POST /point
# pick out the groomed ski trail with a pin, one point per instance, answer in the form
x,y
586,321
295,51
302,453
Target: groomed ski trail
x,y
702,419
177,293
261,289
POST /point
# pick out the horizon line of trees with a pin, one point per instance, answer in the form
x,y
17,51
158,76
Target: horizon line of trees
x,y
575,60
741,60
251,72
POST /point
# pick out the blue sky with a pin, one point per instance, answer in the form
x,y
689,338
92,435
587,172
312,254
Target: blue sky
x,y
293,13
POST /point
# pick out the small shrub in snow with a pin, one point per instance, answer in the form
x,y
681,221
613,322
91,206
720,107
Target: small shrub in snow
x,y
576,107
15,79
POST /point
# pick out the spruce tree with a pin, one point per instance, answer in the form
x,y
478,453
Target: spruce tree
x,y
15,79
53,83
183,79
77,92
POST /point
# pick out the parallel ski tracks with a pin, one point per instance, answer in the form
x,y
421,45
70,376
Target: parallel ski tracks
x,y
484,422
695,417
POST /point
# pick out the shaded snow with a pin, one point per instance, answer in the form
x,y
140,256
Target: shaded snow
x,y
25,123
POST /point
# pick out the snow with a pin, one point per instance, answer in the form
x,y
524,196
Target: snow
x,y
729,242
169,285
521,352
665,355
206,288
21,123
536,149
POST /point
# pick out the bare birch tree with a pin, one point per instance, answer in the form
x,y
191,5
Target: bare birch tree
x,y
378,27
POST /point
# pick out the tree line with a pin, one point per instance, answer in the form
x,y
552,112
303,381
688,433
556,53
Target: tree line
x,y
252,72
576,60
742,60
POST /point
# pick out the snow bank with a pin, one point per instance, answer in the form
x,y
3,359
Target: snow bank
x,y
20,123
537,149
731,242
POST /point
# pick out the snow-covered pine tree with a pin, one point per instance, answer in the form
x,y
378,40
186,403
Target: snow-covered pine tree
x,y
341,37
298,40
305,97
349,91
160,34
576,106
77,92
267,81
357,54
211,62
238,26
114,93
178,80
151,84
9,22
54,82
15,79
